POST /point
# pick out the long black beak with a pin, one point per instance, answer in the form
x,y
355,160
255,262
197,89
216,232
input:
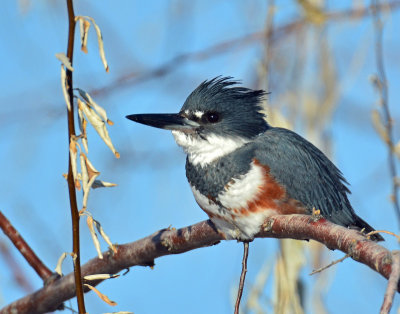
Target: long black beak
x,y
165,121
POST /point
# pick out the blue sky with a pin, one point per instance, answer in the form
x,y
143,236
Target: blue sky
x,y
139,37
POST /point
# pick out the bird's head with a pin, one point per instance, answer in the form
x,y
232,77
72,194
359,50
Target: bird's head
x,y
217,118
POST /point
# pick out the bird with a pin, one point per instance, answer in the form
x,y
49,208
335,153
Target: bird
x,y
242,170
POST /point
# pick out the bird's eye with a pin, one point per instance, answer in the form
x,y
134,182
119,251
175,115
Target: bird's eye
x,y
212,117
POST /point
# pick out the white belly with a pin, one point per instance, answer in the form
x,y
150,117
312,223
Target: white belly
x,y
226,212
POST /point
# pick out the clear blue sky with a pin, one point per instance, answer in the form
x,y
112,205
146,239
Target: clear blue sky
x,y
139,36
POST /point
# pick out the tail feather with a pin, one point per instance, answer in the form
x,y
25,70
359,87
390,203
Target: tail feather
x,y
359,223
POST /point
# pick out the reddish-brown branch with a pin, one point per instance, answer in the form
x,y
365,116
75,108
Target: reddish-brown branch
x,y
392,283
70,177
24,248
168,241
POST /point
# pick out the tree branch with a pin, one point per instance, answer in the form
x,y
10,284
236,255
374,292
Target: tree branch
x,y
23,247
392,284
168,241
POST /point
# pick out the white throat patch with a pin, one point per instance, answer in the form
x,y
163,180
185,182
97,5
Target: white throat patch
x,y
204,151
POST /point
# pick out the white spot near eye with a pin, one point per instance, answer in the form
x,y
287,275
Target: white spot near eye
x,y
198,114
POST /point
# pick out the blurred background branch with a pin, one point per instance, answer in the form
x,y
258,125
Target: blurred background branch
x,y
381,84
23,247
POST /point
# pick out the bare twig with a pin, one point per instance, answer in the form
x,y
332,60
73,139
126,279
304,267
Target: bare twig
x,y
369,234
329,265
70,177
392,283
382,87
24,248
170,241
242,275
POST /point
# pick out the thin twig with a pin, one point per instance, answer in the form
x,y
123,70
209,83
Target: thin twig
x,y
242,275
369,234
71,181
329,265
392,283
23,247
382,87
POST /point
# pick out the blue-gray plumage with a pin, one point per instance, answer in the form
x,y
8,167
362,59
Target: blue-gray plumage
x,y
307,174
241,169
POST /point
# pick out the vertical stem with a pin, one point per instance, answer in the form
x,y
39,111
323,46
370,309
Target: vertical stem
x,y
242,275
70,178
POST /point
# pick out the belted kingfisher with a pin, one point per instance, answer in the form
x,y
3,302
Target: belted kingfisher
x,y
242,170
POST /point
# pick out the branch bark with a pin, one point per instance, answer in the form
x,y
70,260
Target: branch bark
x,y
168,241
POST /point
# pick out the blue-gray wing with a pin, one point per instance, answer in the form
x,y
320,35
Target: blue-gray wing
x,y
307,175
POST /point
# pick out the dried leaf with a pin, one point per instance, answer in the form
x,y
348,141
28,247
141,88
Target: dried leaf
x,y
92,174
96,242
64,60
80,120
100,42
73,153
84,172
82,127
100,276
85,144
98,124
104,235
87,191
101,45
100,110
58,269
91,169
84,26
101,296
102,184
64,87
